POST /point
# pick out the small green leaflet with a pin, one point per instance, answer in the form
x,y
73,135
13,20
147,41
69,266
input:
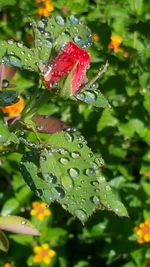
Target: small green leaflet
x,y
17,55
93,97
70,175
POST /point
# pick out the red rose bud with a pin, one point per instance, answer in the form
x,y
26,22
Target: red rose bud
x,y
72,59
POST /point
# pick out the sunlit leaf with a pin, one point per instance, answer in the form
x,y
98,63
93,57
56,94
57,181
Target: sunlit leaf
x,y
17,55
18,225
70,174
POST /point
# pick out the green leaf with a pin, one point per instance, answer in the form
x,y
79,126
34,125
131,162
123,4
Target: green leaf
x,y
93,97
146,102
4,243
4,3
55,32
17,55
106,120
71,175
4,132
18,225
10,206
8,98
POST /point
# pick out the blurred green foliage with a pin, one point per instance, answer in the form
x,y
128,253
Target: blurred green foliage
x,y
121,134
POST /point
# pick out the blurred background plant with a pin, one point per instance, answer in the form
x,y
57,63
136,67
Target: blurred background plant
x,y
121,135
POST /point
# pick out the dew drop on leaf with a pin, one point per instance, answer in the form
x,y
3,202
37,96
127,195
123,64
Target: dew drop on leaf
x,y
89,172
60,20
75,154
38,192
108,188
101,179
64,161
78,40
81,215
74,172
94,165
69,137
79,145
23,222
60,191
90,155
50,177
74,19
90,96
66,182
63,151
95,200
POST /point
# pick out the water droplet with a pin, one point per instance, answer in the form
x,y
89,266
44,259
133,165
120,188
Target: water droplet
x,y
24,222
78,40
81,215
60,191
90,155
74,19
95,183
38,192
79,145
94,165
101,179
50,177
20,44
40,128
80,96
49,42
64,161
43,158
74,172
60,20
89,96
108,187
63,151
41,24
66,182
69,137
75,154
89,172
10,41
95,200
5,83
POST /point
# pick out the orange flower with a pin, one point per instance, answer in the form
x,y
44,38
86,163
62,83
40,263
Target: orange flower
x,y
7,265
115,42
14,110
143,232
95,37
45,9
40,210
43,254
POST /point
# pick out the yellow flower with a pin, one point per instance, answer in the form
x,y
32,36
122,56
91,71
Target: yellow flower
x,y
7,265
143,232
115,43
15,109
95,37
43,254
45,9
40,210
